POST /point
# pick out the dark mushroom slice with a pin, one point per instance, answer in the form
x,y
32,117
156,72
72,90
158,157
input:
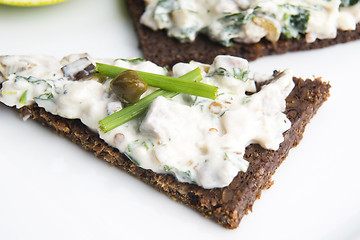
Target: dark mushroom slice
x,y
78,69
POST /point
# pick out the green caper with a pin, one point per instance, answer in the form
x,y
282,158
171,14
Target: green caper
x,y
128,86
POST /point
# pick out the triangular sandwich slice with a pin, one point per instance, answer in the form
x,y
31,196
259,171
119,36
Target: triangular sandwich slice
x,y
208,136
172,31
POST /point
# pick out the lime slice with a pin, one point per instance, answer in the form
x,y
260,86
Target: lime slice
x,y
29,2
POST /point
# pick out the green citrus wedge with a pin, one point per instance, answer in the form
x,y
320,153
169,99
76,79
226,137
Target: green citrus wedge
x,y
29,3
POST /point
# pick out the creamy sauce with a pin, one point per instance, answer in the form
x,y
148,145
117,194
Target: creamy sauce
x,y
249,21
198,140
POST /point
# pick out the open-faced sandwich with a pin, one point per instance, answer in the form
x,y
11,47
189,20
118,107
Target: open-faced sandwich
x,y
209,136
172,31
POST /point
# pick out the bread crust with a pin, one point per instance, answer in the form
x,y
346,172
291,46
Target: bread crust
x,y
166,51
227,205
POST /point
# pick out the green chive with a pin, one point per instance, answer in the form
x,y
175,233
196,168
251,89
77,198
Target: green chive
x,y
164,82
23,97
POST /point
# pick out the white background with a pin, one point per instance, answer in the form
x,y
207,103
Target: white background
x,y
52,189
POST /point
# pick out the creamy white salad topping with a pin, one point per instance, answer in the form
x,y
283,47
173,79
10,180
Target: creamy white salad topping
x,y
248,21
198,140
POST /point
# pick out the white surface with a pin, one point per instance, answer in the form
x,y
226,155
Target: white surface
x,y
52,189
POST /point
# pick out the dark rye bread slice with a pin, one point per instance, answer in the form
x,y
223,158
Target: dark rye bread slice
x,y
166,51
226,205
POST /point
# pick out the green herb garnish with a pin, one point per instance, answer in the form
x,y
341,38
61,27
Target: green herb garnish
x,y
132,159
237,73
23,97
45,96
241,74
185,175
133,60
4,93
296,20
